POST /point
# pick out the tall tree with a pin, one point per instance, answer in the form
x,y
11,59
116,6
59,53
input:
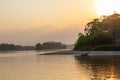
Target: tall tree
x,y
112,25
93,27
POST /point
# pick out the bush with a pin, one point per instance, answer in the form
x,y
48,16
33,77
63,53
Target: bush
x,y
107,48
91,41
84,43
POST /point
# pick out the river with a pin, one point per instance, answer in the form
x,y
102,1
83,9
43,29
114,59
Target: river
x,y
27,65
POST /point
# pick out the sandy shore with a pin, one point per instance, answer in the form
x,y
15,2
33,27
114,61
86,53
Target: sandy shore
x,y
68,52
71,52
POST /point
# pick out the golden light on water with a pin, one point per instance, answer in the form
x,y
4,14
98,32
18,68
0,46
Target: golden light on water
x,y
107,7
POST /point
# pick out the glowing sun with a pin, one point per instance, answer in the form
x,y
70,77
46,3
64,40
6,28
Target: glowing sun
x,y
107,7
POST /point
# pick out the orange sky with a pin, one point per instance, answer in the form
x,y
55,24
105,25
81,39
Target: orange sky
x,y
31,21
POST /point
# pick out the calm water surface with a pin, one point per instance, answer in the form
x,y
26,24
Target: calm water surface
x,y
27,65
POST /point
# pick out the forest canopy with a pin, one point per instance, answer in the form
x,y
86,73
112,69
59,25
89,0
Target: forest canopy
x,y
100,31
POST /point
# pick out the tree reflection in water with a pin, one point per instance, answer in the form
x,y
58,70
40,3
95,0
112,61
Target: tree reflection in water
x,y
101,67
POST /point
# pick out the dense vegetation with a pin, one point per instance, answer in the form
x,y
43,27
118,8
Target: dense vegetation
x,y
50,45
9,47
107,48
45,45
99,32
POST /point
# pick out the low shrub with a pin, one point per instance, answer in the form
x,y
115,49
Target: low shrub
x,y
107,48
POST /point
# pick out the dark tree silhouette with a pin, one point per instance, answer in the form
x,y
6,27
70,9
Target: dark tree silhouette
x,y
50,45
38,46
99,31
9,47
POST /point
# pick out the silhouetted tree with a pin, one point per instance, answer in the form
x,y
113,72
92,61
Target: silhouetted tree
x,y
99,31
38,46
50,45
94,27
112,25
9,47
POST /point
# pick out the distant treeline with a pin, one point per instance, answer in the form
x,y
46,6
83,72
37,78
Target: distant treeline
x,y
38,46
50,45
9,47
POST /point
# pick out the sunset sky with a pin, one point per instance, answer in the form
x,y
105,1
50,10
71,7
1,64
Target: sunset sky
x,y
28,22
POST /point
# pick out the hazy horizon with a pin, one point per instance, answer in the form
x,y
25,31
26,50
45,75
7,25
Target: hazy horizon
x,y
27,22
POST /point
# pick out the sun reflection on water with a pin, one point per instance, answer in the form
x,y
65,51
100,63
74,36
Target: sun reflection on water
x,y
101,67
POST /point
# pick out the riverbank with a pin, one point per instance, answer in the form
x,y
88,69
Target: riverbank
x,y
91,53
67,52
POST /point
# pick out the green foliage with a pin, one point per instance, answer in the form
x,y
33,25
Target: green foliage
x,y
99,31
102,38
90,41
84,43
107,48
109,24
